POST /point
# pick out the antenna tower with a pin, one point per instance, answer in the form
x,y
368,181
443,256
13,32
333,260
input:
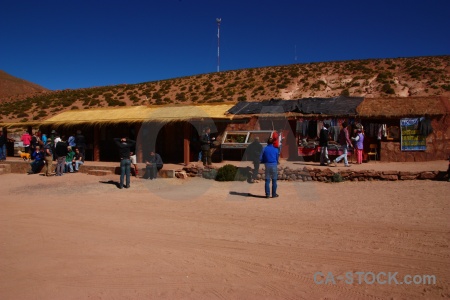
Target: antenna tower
x,y
218,20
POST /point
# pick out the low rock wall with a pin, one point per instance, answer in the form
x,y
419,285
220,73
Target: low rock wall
x,y
328,175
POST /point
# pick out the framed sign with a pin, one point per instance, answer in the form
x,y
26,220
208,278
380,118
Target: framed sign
x,y
411,139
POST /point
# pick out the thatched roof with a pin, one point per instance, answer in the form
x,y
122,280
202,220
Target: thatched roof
x,y
403,107
368,108
136,114
20,124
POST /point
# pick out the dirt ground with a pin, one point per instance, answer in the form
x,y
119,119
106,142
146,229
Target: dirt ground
x,y
80,237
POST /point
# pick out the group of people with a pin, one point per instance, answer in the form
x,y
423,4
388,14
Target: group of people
x,y
69,154
345,141
127,153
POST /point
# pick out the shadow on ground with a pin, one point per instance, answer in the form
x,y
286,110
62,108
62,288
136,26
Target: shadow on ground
x,y
117,184
246,195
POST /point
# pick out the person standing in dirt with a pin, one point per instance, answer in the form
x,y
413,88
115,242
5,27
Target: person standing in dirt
x,y
3,142
61,153
124,144
48,157
26,140
324,136
56,139
359,144
269,158
345,142
254,153
206,141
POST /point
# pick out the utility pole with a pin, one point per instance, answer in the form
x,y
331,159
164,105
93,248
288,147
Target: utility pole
x,y
218,20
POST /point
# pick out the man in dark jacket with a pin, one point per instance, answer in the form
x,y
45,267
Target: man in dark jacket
x,y
153,164
254,153
124,144
60,154
2,146
206,141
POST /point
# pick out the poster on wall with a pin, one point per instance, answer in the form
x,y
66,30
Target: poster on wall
x,y
411,139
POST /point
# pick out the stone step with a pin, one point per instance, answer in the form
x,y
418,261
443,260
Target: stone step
x,y
166,173
163,173
5,168
99,172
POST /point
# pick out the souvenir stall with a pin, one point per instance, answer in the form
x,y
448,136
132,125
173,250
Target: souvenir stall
x,y
319,111
308,131
381,118
406,129
304,119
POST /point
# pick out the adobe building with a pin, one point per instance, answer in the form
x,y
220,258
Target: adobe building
x,y
301,120
173,131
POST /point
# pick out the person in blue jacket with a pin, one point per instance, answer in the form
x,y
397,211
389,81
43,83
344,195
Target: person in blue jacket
x,y
269,157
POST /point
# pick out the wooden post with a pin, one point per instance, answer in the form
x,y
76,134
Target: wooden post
x,y
96,146
139,151
187,135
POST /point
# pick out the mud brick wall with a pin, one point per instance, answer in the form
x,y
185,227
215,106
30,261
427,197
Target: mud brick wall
x,y
438,145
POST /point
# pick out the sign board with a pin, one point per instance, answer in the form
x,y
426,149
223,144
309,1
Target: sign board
x,y
411,139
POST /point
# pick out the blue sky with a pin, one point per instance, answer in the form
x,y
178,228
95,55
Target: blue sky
x,y
63,44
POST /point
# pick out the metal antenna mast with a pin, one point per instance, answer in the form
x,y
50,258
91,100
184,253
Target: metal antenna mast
x,y
218,20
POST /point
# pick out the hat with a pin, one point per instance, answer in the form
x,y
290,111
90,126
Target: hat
x,y
49,140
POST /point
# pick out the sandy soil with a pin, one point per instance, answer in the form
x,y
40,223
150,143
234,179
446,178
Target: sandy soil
x,y
80,237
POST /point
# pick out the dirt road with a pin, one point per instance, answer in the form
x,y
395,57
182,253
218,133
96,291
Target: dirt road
x,y
79,237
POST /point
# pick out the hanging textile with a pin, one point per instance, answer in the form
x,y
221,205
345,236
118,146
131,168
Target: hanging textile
x,y
298,127
425,127
334,132
319,127
312,129
305,127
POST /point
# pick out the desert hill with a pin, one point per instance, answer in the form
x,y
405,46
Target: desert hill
x,y
398,77
13,88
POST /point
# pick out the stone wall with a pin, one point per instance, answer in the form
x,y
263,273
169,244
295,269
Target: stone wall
x,y
327,175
